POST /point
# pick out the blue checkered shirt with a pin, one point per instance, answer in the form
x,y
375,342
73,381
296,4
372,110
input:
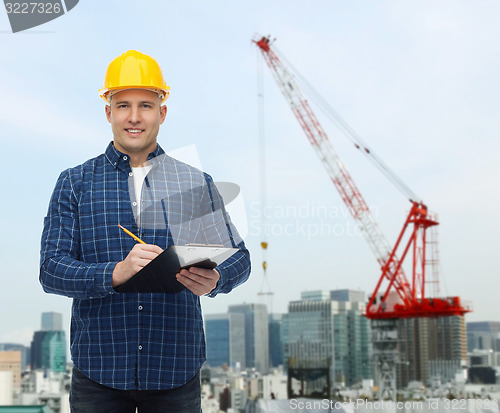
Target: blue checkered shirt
x,y
132,340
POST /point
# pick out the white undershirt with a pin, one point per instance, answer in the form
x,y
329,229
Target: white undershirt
x,y
139,173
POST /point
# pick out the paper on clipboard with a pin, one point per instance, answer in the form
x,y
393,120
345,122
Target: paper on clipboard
x,y
192,254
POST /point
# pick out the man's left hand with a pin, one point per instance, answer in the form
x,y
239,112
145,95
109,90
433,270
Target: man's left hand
x,y
198,280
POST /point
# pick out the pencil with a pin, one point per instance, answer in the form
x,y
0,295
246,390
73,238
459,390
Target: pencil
x,y
132,235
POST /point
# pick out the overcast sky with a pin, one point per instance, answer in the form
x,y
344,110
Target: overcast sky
x,y
418,80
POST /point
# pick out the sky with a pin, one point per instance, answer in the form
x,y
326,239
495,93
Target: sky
x,y
418,80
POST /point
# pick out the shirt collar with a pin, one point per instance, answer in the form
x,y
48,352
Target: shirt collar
x,y
115,157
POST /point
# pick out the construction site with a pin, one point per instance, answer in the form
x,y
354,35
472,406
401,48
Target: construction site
x,y
418,336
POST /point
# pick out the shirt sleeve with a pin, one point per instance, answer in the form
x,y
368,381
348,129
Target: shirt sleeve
x,y
233,272
218,228
61,271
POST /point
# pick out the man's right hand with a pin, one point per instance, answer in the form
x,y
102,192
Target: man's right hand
x,y
138,257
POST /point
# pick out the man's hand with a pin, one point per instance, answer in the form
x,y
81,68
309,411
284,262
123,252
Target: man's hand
x,y
198,280
138,257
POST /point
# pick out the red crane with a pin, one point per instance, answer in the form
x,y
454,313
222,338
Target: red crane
x,y
394,296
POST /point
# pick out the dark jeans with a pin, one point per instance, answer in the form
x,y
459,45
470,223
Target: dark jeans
x,y
87,396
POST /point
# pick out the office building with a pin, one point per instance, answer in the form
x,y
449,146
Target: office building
x,y
315,295
348,295
285,340
275,344
318,329
256,335
225,339
52,321
483,335
48,350
48,347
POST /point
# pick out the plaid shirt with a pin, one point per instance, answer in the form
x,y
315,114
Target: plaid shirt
x,y
133,340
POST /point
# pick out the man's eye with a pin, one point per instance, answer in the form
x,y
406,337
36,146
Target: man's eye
x,y
122,106
147,106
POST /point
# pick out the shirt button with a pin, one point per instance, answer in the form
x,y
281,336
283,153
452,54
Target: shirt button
x,y
130,174
134,203
125,158
140,308
140,347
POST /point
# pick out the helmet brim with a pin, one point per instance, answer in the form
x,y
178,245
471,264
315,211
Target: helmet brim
x,y
106,93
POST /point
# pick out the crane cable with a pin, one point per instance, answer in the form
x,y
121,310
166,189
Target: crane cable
x,y
348,131
265,289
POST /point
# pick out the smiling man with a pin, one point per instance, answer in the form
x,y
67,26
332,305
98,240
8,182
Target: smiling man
x,y
135,116
135,350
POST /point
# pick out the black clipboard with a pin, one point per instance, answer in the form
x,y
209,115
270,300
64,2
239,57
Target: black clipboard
x,y
159,275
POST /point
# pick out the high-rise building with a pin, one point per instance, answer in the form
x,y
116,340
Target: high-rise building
x,y
451,339
52,321
256,335
275,344
309,329
483,335
318,328
48,350
225,338
430,346
285,340
48,347
358,333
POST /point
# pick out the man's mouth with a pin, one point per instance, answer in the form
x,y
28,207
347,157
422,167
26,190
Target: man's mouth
x,y
134,130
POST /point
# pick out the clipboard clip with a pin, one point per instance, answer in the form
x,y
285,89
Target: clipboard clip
x,y
205,245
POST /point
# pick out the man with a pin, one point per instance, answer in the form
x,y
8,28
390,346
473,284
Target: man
x,y
135,350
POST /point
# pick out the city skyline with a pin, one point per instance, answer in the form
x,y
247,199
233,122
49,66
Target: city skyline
x,y
417,81
27,334
480,334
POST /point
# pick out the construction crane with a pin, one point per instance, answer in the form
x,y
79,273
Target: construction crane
x,y
394,296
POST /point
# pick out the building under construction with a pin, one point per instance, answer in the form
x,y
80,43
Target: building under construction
x,y
431,348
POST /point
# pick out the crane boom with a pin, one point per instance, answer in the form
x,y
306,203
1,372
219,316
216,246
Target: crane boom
x,y
411,297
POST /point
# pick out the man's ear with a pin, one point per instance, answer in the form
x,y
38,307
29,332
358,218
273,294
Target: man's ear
x,y
163,113
107,108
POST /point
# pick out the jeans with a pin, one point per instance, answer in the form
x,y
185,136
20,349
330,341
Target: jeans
x,y
87,396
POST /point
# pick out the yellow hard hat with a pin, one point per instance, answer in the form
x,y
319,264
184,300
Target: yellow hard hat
x,y
134,70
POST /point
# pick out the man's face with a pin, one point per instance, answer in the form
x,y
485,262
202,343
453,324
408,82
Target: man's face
x,y
135,116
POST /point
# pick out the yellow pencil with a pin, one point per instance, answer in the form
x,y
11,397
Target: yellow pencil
x,y
132,235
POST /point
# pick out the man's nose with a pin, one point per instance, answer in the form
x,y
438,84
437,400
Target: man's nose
x,y
134,115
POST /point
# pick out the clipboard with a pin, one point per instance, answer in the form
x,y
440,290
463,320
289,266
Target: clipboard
x,y
159,275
